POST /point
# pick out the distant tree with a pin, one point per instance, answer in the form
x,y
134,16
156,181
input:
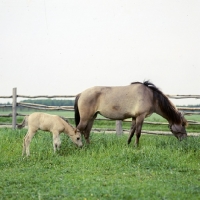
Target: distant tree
x,y
51,102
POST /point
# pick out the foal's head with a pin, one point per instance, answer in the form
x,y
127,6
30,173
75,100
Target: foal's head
x,y
76,138
178,129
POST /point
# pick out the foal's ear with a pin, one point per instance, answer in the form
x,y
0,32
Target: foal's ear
x,y
76,130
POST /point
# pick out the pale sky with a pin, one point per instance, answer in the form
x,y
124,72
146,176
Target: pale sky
x,y
62,47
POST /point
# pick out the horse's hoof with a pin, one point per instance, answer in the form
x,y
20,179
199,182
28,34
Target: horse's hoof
x,y
129,141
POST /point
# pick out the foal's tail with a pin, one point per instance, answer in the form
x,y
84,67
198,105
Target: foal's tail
x,y
76,110
24,123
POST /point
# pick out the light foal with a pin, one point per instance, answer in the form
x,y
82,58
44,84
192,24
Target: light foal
x,y
52,123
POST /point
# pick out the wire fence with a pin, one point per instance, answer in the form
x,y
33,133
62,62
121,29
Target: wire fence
x,y
118,128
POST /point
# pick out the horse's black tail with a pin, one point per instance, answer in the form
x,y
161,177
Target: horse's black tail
x,y
24,123
76,110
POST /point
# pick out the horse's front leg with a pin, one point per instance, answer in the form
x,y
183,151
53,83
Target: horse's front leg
x,y
87,131
82,128
132,130
87,137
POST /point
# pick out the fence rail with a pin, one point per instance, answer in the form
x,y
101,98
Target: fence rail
x,y
183,96
15,104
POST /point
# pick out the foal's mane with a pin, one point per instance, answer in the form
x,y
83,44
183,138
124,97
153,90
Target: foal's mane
x,y
164,103
66,121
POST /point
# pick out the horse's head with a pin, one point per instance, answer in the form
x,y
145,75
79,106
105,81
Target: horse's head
x,y
179,129
76,138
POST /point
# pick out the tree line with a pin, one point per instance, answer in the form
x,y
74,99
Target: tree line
x,y
51,102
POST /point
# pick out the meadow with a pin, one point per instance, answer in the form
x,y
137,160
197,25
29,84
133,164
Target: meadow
x,y
160,168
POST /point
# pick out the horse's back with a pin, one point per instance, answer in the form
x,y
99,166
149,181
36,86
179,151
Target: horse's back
x,y
117,102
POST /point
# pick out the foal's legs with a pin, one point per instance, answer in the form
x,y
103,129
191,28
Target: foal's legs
x,y
132,130
24,145
27,140
56,140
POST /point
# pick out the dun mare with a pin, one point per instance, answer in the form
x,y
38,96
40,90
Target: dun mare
x,y
136,101
52,123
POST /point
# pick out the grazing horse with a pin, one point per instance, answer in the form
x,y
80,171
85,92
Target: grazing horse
x,y
136,101
46,122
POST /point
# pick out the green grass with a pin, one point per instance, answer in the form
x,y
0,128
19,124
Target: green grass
x,y
160,168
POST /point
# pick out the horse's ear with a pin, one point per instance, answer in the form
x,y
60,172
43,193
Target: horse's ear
x,y
184,121
182,113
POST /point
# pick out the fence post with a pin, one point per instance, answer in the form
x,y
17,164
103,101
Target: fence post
x,y
119,129
14,108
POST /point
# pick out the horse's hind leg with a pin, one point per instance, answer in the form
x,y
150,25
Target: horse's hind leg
x,y
26,142
56,140
132,130
139,122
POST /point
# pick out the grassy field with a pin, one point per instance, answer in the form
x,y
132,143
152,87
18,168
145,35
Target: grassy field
x,y
160,168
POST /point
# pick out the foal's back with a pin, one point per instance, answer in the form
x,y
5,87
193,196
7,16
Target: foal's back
x,y
44,121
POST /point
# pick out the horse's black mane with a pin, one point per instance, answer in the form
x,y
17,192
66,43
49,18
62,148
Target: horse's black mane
x,y
165,105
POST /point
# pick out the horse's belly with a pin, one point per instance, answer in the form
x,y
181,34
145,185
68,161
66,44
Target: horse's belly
x,y
116,115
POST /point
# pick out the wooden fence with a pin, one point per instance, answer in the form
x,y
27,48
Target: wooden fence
x,y
118,128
